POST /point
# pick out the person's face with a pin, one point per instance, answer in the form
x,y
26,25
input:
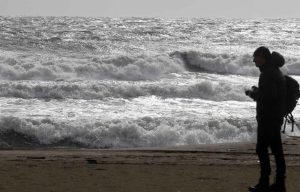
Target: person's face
x,y
259,61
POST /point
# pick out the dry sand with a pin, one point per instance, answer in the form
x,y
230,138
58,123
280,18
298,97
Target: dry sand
x,y
207,168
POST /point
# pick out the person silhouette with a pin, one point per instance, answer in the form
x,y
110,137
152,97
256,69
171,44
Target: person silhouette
x,y
270,107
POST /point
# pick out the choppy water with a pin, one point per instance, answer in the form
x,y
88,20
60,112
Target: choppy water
x,y
133,82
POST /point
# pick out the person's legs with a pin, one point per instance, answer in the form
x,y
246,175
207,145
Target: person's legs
x,y
264,161
262,151
277,150
263,155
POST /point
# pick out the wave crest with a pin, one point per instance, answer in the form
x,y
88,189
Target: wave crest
x,y
120,68
218,63
131,68
142,132
216,91
229,64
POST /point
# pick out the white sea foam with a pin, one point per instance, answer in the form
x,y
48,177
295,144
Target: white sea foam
x,y
120,68
230,64
205,89
133,68
143,132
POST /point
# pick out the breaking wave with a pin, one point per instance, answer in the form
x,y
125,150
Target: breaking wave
x,y
142,132
132,68
229,64
87,90
118,68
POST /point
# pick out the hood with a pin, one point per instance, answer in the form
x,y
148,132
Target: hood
x,y
277,59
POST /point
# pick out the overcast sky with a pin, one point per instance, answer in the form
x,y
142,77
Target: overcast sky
x,y
153,8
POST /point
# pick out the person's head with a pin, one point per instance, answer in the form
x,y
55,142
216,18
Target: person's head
x,y
261,56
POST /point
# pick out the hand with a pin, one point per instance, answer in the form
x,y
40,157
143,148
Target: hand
x,y
248,92
252,93
254,88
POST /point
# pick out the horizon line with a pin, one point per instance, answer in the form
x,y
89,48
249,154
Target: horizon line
x,y
164,17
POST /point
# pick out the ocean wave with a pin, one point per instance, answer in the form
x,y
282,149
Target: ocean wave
x,y
133,68
218,63
122,133
87,90
126,67
229,63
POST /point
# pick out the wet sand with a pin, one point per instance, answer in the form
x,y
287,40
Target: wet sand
x,y
207,168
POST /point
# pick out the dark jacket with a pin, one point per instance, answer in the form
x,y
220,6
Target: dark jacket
x,y
270,95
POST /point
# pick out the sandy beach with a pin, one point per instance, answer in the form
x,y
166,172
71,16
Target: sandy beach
x,y
178,169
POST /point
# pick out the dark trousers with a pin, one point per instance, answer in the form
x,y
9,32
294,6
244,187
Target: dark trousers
x,y
269,135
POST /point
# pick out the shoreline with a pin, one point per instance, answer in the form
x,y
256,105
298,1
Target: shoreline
x,y
215,167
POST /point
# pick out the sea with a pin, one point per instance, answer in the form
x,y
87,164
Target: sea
x,y
85,82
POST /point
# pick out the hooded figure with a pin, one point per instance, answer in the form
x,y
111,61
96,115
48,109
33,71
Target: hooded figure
x,y
271,93
270,109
